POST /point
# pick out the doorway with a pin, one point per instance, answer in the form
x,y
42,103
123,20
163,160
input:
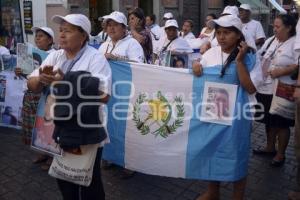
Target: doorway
x,y
98,8
147,6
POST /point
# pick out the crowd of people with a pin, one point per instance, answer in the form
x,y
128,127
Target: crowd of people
x,y
229,41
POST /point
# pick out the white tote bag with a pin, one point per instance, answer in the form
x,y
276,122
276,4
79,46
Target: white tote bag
x,y
75,168
283,102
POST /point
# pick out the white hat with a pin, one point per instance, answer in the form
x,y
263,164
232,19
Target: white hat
x,y
74,19
245,6
227,21
49,31
170,23
101,18
168,15
231,10
117,17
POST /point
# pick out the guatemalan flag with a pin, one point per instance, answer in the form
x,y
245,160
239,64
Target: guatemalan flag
x,y
165,121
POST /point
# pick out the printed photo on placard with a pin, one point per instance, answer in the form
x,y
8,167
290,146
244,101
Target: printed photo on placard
x,y
2,87
43,129
29,57
24,58
218,103
179,61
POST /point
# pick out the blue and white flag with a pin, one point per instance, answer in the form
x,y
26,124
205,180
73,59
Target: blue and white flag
x,y
156,125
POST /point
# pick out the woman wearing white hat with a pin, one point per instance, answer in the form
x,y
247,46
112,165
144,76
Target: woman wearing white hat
x,y
43,39
76,56
232,56
121,46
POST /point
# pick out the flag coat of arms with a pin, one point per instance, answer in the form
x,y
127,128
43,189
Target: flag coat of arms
x,y
155,127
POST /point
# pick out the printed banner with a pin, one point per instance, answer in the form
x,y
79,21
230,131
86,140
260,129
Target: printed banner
x,y
11,96
155,126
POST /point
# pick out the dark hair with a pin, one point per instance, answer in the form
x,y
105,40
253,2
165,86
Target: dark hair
x,y
235,52
152,17
83,31
37,57
178,58
139,13
223,91
190,21
213,15
287,21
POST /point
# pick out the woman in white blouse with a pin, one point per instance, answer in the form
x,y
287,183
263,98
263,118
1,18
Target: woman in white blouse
x,y
278,62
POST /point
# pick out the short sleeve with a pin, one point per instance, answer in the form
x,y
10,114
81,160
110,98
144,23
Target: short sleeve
x,y
99,67
203,61
135,52
259,31
297,43
102,48
256,73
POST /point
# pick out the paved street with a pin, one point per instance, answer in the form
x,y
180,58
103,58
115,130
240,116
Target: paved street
x,y
20,179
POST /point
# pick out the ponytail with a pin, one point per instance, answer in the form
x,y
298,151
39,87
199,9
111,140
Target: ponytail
x,y
232,56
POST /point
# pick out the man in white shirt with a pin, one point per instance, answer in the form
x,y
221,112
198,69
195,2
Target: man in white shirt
x,y
253,27
167,16
172,42
186,32
154,29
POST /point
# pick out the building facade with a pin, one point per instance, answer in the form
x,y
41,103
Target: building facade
x,y
18,16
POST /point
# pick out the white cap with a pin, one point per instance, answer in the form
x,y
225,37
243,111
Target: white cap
x,y
227,21
74,19
245,6
49,31
168,15
231,10
101,18
170,23
117,17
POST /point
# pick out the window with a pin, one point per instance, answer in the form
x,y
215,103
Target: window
x,y
215,4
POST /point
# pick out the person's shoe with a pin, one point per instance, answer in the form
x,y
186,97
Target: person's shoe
x,y
293,195
106,165
40,159
263,152
277,163
47,164
127,174
208,196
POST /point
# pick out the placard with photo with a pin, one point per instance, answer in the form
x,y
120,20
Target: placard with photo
x,y
218,103
44,126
